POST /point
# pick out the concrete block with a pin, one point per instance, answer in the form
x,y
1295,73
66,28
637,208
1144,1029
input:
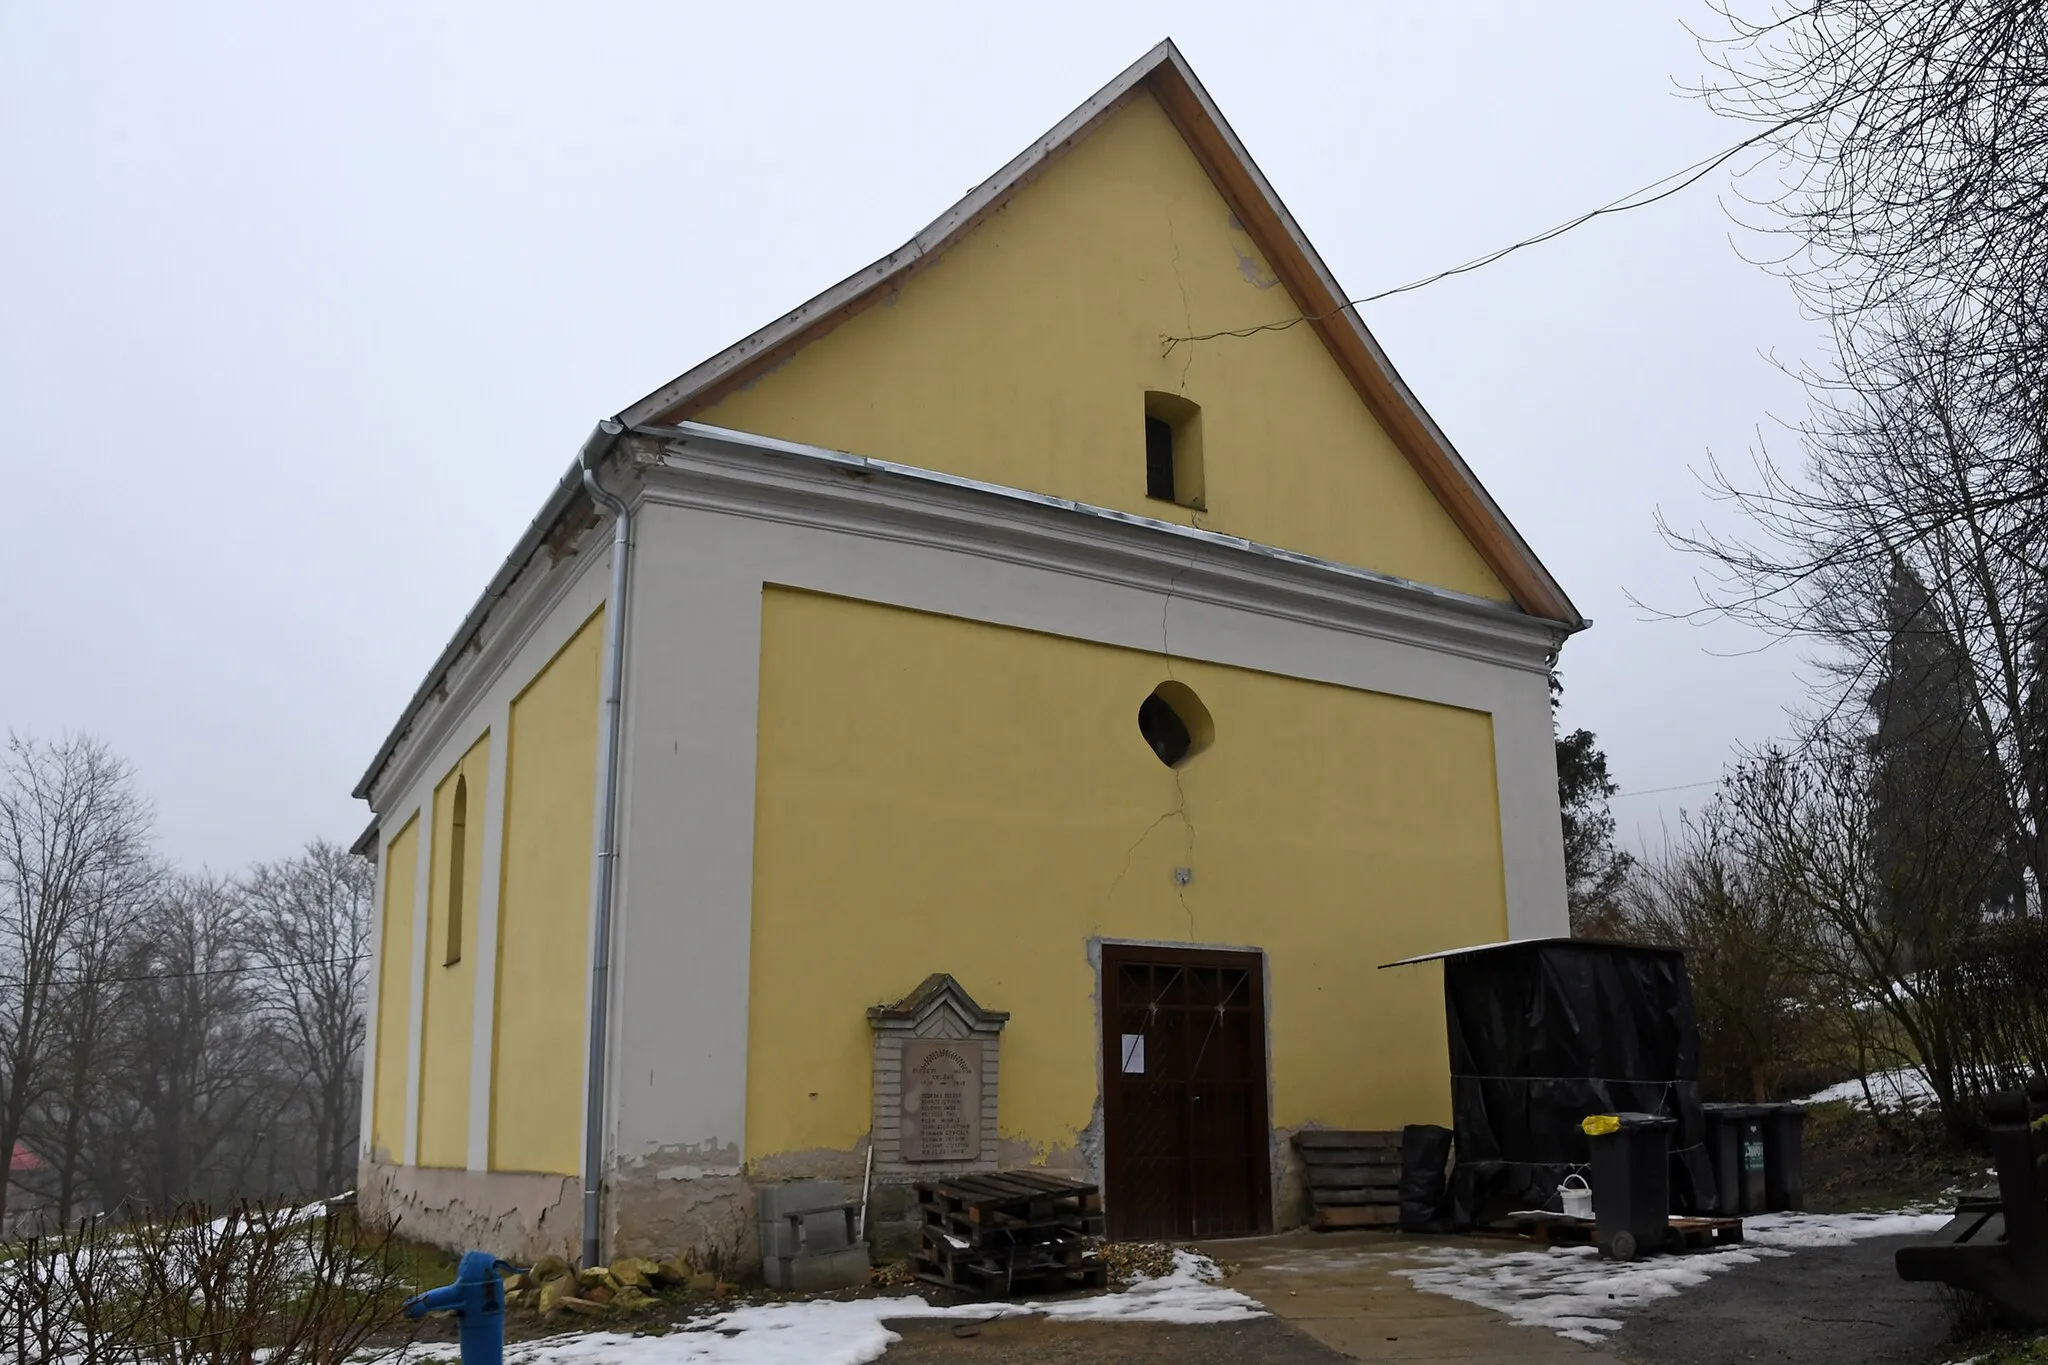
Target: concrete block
x,y
798,1196
828,1231
779,1239
845,1269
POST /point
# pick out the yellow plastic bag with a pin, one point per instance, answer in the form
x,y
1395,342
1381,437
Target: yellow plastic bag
x,y
1599,1125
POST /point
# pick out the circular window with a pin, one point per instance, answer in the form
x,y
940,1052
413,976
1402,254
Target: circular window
x,y
1175,723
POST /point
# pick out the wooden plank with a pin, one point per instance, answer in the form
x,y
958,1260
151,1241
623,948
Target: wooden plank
x,y
1353,1177
1334,1137
1367,1216
1053,1184
1322,1197
1010,1188
1351,1156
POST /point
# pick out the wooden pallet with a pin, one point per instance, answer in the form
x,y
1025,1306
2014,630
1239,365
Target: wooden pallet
x,y
1009,1232
1353,1178
969,1204
1558,1229
997,1276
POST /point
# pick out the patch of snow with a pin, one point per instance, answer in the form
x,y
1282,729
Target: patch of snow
x,y
1574,1293
823,1332
1793,1230
1569,1290
831,1332
1188,1293
1905,1088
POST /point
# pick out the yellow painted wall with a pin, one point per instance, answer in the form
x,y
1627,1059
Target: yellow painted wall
x,y
451,990
940,795
1023,355
394,994
537,1053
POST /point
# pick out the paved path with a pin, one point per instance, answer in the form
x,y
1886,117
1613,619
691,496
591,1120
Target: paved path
x,y
1828,1306
1341,1289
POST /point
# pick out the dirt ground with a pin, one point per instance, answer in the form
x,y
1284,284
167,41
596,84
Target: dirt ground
x,y
1854,1160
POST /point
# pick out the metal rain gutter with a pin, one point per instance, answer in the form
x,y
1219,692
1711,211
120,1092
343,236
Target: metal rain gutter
x,y
603,874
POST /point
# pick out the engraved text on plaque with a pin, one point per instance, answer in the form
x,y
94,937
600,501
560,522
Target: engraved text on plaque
x,y
941,1100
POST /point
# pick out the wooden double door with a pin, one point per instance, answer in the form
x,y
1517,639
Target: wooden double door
x,y
1184,1116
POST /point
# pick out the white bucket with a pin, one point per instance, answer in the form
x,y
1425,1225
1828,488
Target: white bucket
x,y
1578,1203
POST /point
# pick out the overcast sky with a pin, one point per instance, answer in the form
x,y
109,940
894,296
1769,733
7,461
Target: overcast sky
x,y
303,309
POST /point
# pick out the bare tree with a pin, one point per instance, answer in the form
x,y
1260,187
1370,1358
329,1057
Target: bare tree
x,y
73,846
1916,469
308,925
195,1051
87,1009
1912,141
1807,820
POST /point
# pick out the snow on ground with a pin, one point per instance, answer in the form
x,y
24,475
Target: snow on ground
x,y
1188,1293
831,1332
1794,1230
1905,1088
1574,1293
1568,1289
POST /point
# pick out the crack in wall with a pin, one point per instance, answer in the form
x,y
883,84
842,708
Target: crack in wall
x,y
1186,310
1179,789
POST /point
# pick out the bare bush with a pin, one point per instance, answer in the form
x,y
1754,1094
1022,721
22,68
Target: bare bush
x,y
1759,1016
289,1287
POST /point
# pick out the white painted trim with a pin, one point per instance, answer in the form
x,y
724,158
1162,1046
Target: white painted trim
x,y
683,923
484,983
373,1005
416,1024
597,833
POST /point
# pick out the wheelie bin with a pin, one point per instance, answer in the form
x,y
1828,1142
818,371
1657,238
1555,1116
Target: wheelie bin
x,y
1631,1182
1736,1143
1784,1181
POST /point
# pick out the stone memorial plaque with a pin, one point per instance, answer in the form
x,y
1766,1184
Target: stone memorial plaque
x,y
941,1100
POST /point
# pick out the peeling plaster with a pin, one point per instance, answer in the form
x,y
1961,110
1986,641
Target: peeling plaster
x,y
518,1216
685,1198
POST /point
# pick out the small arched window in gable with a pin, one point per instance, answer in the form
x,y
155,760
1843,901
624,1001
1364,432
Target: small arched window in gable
x,y
1173,450
458,849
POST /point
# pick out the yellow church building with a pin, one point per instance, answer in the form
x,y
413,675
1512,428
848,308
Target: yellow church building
x,y
969,674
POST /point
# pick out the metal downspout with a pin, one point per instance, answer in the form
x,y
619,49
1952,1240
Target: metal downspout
x,y
605,864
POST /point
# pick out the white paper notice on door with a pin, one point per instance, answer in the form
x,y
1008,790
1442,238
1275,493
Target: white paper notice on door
x,y
1134,1054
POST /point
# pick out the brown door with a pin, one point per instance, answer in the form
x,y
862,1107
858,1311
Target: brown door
x,y
1184,1124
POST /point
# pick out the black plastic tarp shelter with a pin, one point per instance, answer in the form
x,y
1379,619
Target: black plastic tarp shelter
x,y
1544,1032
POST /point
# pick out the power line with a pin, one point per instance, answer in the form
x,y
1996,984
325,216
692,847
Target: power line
x,y
1634,199
1657,791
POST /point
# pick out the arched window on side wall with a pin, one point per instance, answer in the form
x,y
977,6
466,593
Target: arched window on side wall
x,y
458,840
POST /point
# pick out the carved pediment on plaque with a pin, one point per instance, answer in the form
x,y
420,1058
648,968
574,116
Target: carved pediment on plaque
x,y
940,1007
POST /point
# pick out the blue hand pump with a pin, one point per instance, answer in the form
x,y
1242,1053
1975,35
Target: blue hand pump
x,y
477,1299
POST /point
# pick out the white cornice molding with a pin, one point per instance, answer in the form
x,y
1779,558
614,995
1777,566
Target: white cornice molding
x,y
769,480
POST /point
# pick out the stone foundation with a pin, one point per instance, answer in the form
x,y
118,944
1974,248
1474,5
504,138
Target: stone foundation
x,y
518,1217
684,1200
